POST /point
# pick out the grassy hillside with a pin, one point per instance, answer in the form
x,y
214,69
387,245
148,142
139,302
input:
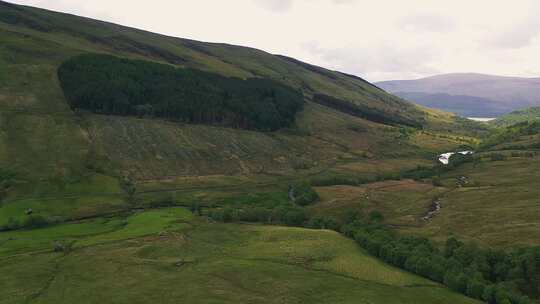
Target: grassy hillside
x,y
43,141
497,189
519,116
169,256
520,136
499,193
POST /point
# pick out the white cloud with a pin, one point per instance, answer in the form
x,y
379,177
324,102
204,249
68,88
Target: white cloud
x,y
519,36
275,5
383,61
427,22
285,5
344,1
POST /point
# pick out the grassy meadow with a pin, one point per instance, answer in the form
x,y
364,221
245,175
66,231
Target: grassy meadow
x,y
170,256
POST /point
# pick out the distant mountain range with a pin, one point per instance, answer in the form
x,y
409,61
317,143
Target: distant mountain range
x,y
468,94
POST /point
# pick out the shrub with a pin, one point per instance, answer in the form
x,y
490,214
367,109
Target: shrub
x,y
459,159
304,194
295,217
256,215
497,157
376,216
321,222
35,221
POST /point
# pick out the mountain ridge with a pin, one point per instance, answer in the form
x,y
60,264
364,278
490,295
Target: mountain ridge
x,y
463,105
505,93
463,75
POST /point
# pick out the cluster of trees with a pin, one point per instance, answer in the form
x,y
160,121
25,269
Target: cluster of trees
x,y
303,194
339,180
494,276
529,114
28,222
529,128
365,112
506,135
111,85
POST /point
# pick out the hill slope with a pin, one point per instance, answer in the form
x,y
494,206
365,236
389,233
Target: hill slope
x,y
519,116
36,42
499,94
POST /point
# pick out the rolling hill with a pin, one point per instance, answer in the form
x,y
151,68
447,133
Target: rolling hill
x,y
475,95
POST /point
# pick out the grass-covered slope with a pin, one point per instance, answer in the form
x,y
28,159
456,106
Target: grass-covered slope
x,y
42,140
519,116
520,136
501,193
169,256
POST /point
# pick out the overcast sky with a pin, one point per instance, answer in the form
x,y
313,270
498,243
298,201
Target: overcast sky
x,y
378,40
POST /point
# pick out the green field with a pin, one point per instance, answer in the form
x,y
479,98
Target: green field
x,y
170,256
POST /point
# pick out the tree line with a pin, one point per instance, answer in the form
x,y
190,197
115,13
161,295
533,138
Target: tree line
x,y
365,112
110,85
494,276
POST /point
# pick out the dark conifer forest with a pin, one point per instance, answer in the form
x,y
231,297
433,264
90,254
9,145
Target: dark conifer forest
x,y
109,85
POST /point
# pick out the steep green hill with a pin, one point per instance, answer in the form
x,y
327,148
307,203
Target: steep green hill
x,y
43,140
